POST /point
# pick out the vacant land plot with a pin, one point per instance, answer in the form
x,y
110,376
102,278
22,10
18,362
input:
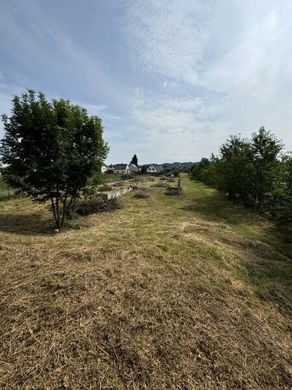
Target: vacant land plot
x,y
187,292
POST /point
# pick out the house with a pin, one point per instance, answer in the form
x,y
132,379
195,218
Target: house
x,y
154,169
118,168
133,168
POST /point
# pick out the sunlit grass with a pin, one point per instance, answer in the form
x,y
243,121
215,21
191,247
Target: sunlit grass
x,y
166,292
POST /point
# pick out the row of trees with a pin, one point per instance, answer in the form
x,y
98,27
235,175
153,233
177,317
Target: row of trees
x,y
254,172
51,150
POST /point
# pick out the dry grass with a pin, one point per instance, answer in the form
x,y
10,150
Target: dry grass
x,y
141,194
165,293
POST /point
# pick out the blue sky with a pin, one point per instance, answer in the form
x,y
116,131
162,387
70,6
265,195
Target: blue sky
x,y
171,79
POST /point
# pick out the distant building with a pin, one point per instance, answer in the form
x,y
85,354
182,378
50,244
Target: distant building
x,y
133,168
154,169
118,168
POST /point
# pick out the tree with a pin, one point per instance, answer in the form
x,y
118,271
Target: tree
x,y
51,150
134,160
205,171
265,148
234,169
282,207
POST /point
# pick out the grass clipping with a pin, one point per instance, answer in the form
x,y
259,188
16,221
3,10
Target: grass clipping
x,y
165,293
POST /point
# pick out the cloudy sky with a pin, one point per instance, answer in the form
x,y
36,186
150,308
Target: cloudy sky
x,y
171,79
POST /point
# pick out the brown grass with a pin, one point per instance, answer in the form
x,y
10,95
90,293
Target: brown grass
x,y
165,293
141,194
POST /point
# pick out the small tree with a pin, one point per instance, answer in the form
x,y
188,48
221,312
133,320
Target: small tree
x,y
234,169
51,149
134,160
265,148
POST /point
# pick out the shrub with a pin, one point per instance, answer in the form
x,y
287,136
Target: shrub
x,y
94,205
127,176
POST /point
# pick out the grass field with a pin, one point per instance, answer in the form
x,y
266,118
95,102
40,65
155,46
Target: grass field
x,y
3,190
167,292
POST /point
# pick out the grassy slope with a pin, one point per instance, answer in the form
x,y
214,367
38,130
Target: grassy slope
x,y
166,293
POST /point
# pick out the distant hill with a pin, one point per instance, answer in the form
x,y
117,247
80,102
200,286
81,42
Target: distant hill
x,y
181,166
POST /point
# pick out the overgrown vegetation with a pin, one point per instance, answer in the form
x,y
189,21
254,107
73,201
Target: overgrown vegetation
x,y
252,172
51,150
94,205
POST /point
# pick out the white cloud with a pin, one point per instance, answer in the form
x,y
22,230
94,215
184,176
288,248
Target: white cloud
x,y
188,72
231,63
167,36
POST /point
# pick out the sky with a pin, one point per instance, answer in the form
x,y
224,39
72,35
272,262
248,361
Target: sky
x,y
171,79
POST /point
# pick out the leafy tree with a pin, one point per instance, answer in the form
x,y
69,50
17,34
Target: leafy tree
x,y
51,150
205,171
134,160
265,148
282,206
234,168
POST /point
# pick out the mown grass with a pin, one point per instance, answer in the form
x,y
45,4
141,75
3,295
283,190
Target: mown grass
x,y
187,292
3,189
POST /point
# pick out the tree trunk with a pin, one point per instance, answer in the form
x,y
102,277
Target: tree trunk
x,y
64,211
54,210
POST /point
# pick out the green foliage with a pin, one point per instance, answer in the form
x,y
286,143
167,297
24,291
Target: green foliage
x,y
251,172
265,149
234,169
283,195
4,189
134,160
127,176
205,171
51,150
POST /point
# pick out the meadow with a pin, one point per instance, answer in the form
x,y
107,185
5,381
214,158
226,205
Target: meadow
x,y
168,292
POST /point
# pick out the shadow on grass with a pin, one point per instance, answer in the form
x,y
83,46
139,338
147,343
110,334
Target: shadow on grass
x,y
5,196
266,263
24,223
215,206
271,280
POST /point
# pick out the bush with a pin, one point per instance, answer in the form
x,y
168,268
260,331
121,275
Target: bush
x,y
94,205
127,176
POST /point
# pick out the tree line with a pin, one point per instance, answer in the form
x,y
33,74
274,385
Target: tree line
x,y
254,172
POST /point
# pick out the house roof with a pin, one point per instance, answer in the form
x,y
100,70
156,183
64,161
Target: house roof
x,y
157,167
133,166
118,166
